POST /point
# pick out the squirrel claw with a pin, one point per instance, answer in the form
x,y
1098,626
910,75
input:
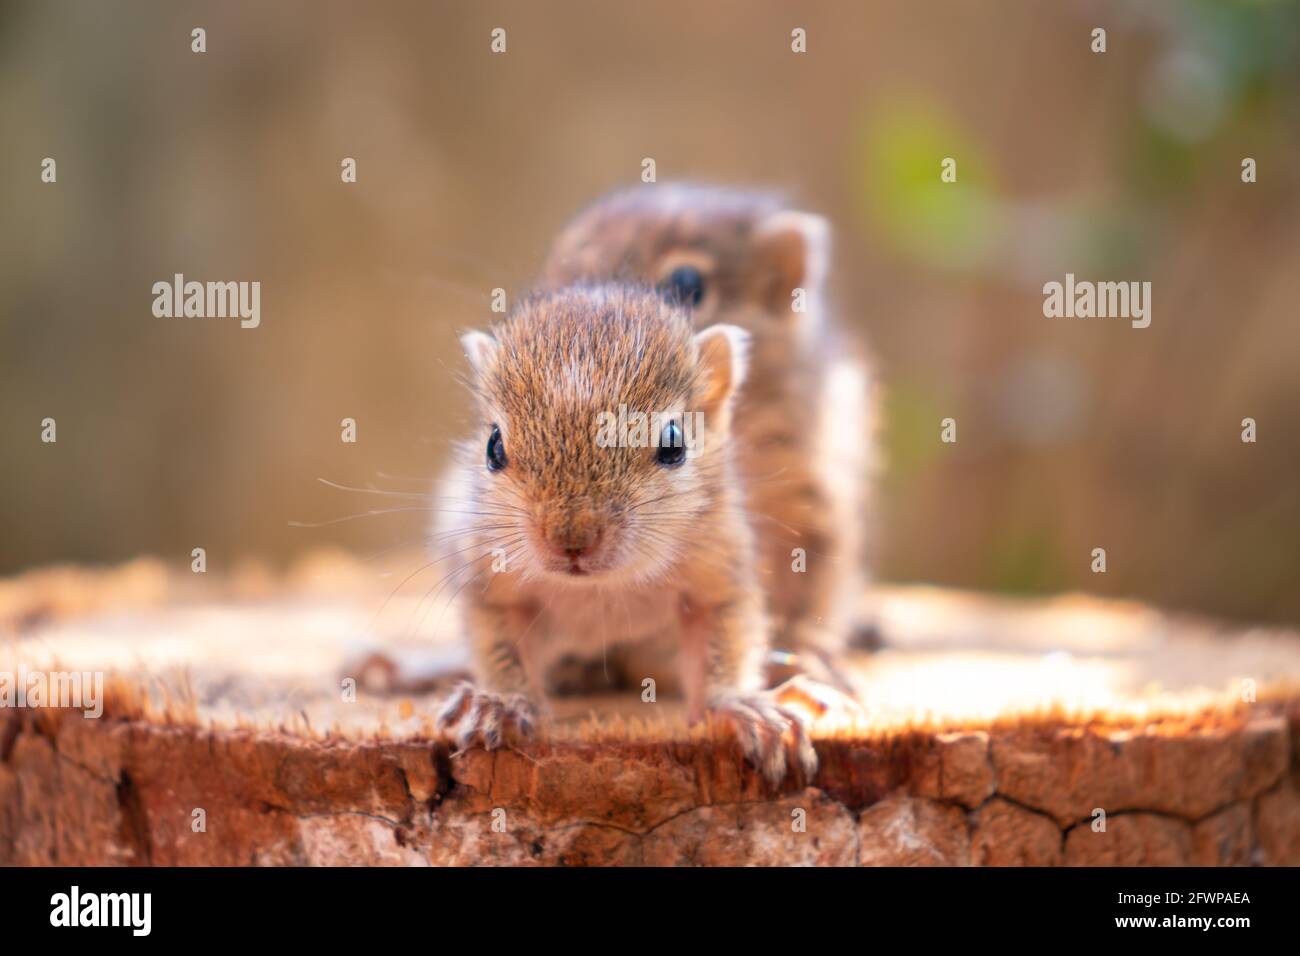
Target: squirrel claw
x,y
760,725
473,716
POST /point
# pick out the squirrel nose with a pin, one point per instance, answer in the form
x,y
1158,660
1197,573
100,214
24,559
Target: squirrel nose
x,y
575,543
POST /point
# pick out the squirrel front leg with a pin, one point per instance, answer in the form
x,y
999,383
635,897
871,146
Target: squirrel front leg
x,y
724,644
506,694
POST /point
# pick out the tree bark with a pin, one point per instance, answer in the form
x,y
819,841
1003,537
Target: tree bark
x,y
152,783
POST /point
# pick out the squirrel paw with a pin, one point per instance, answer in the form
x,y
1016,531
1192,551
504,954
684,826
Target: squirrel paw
x,y
761,725
473,716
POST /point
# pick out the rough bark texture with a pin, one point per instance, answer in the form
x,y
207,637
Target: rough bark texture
x,y
111,791
1070,732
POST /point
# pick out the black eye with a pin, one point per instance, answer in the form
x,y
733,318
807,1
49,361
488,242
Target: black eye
x,y
672,450
496,451
684,285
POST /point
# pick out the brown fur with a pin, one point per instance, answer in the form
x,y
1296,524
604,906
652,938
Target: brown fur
x,y
669,552
804,419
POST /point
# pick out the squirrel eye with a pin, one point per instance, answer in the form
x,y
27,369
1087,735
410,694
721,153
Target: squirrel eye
x,y
496,451
684,285
672,450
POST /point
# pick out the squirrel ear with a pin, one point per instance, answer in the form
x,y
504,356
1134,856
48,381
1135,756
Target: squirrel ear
x,y
479,348
723,351
792,250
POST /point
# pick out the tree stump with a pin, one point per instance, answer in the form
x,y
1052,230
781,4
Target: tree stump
x,y
1066,731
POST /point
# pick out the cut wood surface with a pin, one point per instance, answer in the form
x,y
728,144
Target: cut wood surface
x,y
994,732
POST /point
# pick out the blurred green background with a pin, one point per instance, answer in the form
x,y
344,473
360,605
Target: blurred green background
x,y
174,434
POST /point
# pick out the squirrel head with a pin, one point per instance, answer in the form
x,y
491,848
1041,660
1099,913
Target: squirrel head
x,y
717,250
603,420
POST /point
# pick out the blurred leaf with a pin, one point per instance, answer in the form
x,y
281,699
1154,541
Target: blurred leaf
x,y
911,417
900,152
1027,561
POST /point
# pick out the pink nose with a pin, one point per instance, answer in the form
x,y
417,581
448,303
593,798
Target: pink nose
x,y
574,545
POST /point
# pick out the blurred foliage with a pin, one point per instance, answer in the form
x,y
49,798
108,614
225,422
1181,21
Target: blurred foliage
x,y
1073,435
909,416
898,161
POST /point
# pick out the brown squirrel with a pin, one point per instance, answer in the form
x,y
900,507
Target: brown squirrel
x,y
569,536
804,419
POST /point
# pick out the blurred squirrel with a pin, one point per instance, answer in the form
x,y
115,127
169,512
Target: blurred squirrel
x,y
804,422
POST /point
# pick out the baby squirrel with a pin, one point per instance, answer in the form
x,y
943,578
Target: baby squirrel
x,y
804,419
566,543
